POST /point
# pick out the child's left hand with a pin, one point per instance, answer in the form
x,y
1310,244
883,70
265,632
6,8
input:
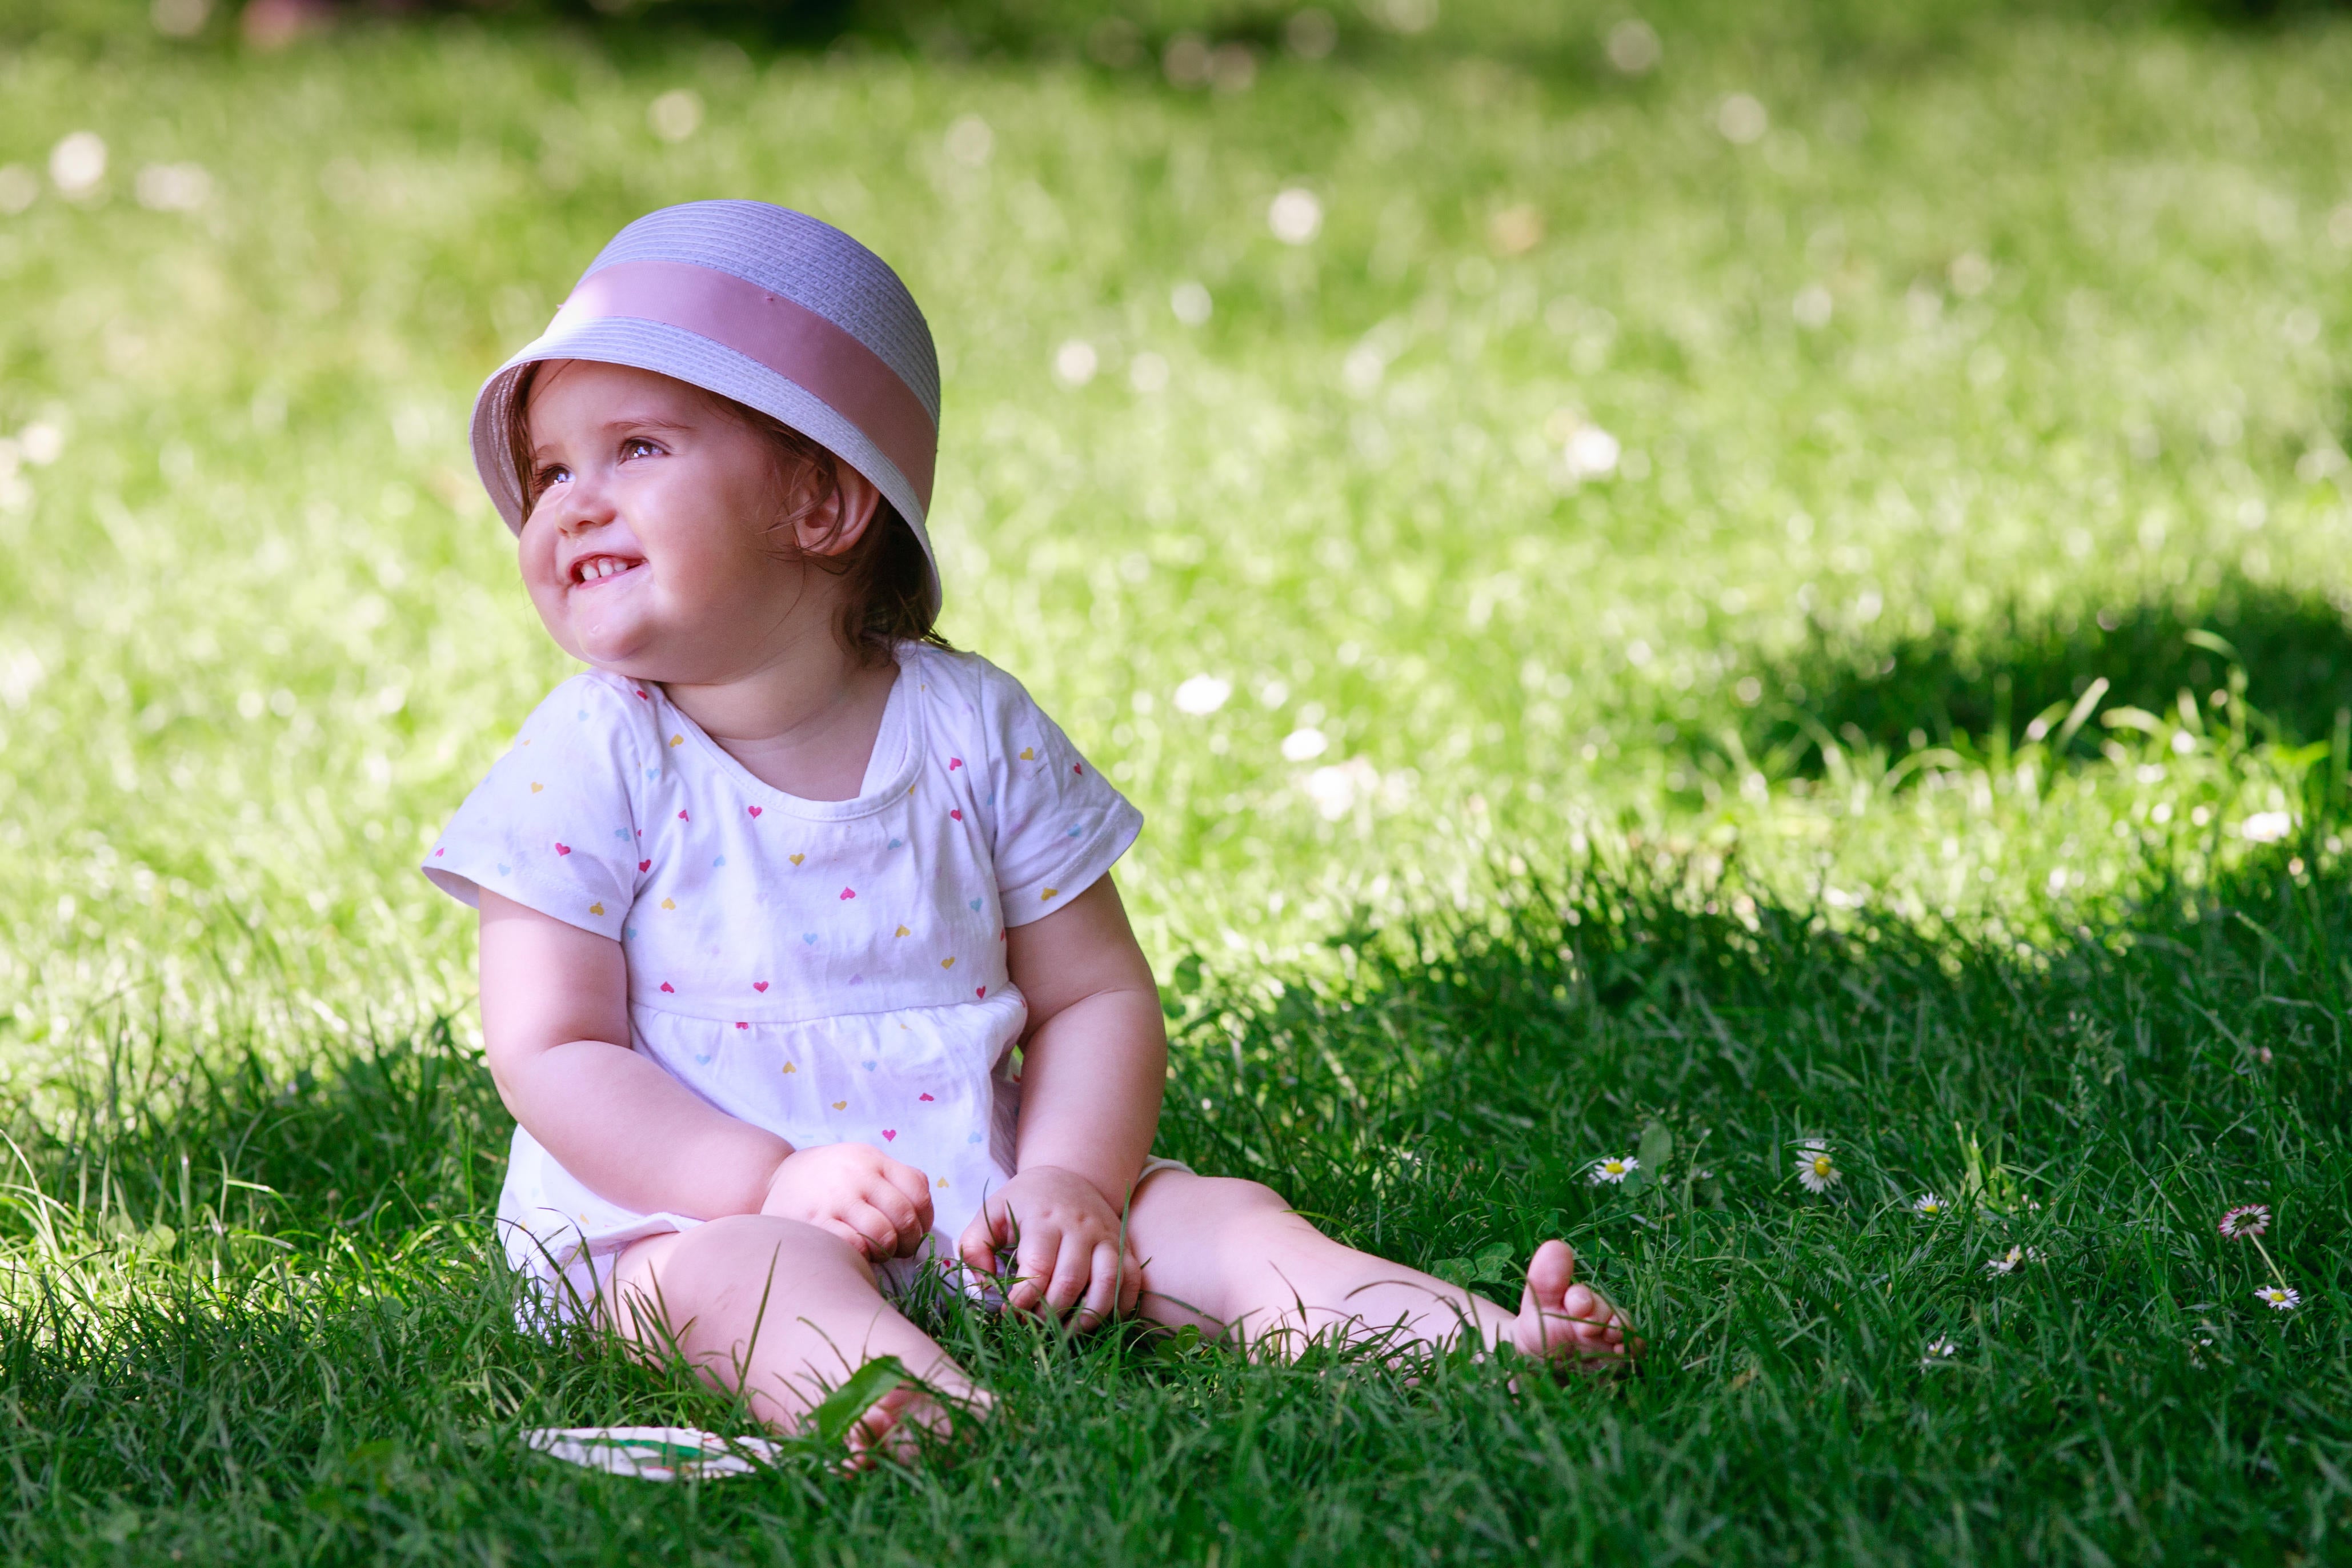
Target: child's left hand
x,y
1066,1243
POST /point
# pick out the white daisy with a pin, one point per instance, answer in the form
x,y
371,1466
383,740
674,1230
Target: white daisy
x,y
2014,1259
2280,1297
1941,1350
1815,1169
1928,1204
1616,1168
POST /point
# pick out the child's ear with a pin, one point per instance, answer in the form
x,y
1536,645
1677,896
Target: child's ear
x,y
834,526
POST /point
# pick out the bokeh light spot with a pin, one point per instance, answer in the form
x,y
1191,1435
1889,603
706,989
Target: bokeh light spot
x,y
1294,215
676,114
1074,362
1633,47
1742,119
78,163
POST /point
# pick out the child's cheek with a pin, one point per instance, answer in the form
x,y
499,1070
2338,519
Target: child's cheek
x,y
536,556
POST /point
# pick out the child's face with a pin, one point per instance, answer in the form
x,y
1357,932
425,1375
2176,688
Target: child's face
x,y
651,548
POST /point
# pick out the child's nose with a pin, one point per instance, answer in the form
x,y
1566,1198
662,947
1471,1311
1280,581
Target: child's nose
x,y
587,503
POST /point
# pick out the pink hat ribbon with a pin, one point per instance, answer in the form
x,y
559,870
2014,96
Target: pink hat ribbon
x,y
787,338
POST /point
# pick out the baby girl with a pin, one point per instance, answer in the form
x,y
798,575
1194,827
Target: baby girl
x,y
803,968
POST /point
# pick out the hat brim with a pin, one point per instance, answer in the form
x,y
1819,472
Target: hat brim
x,y
699,361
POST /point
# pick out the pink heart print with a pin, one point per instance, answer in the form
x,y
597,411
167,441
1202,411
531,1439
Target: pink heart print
x,y
667,986
956,815
954,763
563,849
682,816
849,893
888,1134
755,810
759,985
645,865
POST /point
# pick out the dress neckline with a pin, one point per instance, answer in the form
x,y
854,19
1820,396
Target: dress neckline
x,y
890,767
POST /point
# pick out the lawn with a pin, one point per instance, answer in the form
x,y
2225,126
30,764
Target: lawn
x,y
1672,592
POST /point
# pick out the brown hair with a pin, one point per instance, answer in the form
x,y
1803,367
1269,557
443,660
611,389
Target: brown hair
x,y
887,572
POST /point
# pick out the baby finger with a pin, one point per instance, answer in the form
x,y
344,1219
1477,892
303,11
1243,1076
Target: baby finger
x,y
1103,1290
908,1224
1130,1281
1038,1247
977,1245
834,1225
913,1186
881,1236
1074,1269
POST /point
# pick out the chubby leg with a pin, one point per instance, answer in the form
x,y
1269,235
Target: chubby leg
x,y
779,1311
1230,1258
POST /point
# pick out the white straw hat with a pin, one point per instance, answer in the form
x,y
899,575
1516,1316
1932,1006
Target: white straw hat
x,y
769,307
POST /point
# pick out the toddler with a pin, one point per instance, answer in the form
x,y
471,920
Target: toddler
x,y
776,893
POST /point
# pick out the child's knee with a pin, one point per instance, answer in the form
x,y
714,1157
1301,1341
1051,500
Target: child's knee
x,y
759,1253
1219,1200
1241,1197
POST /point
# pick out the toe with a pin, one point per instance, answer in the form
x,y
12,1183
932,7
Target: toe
x,y
1551,1272
1563,1321
892,1425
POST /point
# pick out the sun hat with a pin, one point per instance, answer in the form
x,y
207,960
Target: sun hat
x,y
772,307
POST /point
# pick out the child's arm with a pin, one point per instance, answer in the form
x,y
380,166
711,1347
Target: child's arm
x,y
1094,1063
1093,1066
555,1016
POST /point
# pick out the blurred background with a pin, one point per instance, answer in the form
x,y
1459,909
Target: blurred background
x,y
1404,441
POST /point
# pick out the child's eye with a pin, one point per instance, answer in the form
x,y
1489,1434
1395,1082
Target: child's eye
x,y
638,446
553,473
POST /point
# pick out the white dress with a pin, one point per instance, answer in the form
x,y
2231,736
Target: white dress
x,y
831,970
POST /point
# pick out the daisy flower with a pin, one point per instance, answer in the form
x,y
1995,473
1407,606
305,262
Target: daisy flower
x,y
2246,1223
1928,1204
1616,1168
1941,1350
1815,1169
2014,1259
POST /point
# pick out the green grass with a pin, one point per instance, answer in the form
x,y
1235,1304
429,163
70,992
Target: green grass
x,y
1757,791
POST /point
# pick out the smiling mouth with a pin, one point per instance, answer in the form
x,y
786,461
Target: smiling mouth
x,y
596,568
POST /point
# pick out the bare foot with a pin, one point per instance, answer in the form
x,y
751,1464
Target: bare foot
x,y
894,1425
1567,1323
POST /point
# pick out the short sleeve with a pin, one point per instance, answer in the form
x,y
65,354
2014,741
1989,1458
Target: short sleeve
x,y
553,827
1057,823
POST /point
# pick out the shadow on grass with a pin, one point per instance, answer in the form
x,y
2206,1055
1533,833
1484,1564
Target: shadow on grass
x,y
350,1379
2085,1113
1972,687
1558,1024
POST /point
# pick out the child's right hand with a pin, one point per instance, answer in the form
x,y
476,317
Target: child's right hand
x,y
880,1205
